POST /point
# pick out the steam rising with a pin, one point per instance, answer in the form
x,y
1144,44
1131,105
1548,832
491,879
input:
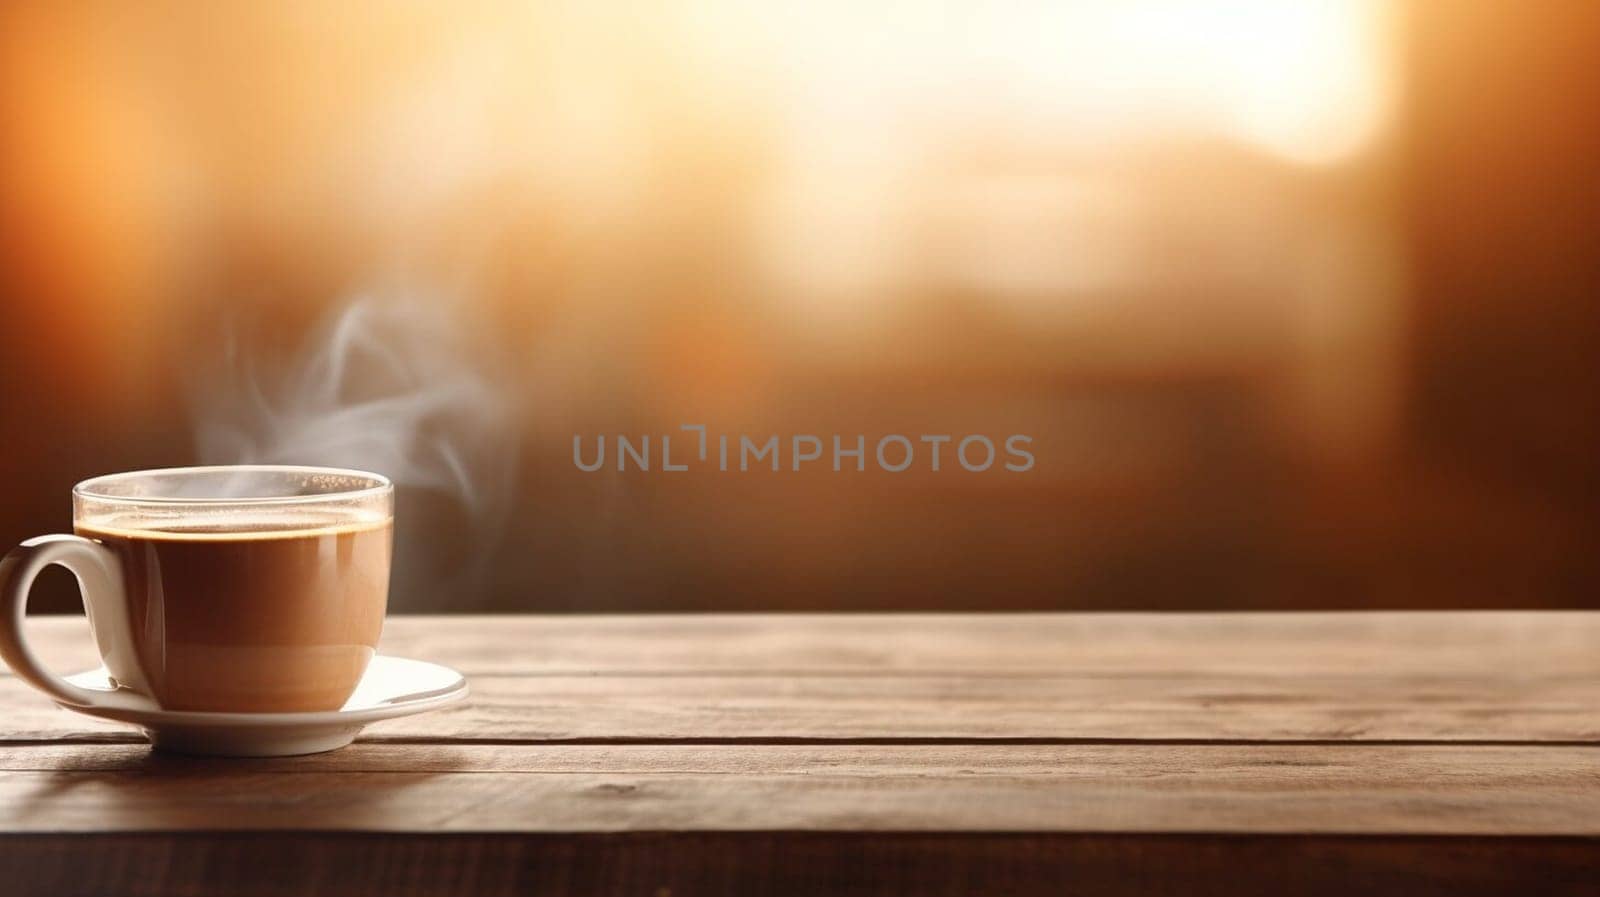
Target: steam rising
x,y
393,387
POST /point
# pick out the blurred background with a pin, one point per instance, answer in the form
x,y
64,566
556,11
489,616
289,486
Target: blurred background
x,y
1299,300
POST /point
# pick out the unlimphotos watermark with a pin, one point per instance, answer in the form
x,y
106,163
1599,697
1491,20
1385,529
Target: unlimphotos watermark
x,y
894,453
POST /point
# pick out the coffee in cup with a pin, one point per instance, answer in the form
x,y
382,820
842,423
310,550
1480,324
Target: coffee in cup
x,y
248,589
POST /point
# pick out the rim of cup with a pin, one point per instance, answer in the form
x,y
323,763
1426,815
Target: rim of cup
x,y
376,484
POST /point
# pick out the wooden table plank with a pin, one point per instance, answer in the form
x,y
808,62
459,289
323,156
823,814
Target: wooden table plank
x,y
1511,643
1123,753
1086,788
793,864
851,708
1531,677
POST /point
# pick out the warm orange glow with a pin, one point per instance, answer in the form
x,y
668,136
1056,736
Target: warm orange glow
x,y
1308,79
1197,247
830,170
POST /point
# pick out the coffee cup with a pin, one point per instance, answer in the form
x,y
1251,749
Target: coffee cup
x,y
238,589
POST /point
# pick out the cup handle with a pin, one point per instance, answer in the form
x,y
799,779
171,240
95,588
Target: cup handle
x,y
99,576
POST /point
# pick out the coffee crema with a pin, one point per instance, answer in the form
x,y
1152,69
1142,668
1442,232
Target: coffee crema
x,y
261,612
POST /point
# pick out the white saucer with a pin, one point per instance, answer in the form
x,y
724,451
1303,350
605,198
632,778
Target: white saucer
x,y
392,686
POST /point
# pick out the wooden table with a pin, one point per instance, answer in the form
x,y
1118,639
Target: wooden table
x,y
1237,754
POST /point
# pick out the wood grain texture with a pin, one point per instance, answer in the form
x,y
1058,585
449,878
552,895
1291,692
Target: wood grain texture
x,y
1512,643
1113,754
802,864
845,708
1284,789
792,864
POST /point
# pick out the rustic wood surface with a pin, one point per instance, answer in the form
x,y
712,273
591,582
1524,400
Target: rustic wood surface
x,y
1126,753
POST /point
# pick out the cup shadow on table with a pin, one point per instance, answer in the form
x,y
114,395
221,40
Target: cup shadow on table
x,y
108,785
